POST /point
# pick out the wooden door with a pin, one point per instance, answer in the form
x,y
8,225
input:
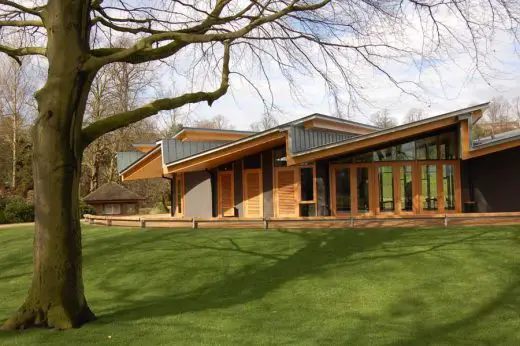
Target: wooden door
x,y
286,192
253,195
226,191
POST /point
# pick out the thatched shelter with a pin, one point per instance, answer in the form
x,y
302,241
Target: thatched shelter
x,y
114,199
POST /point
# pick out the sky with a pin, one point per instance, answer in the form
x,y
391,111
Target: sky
x,y
445,84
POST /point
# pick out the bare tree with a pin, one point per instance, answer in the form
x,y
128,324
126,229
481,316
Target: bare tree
x,y
383,119
498,117
17,104
267,122
207,42
415,114
217,122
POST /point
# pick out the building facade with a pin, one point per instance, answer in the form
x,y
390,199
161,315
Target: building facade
x,y
320,166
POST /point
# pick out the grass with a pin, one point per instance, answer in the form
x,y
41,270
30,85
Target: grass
x,y
237,287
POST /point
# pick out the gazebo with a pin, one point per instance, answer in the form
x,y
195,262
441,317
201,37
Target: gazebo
x,y
114,199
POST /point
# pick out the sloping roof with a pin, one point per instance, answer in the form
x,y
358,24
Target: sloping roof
x,y
334,119
174,150
112,192
457,113
301,139
125,159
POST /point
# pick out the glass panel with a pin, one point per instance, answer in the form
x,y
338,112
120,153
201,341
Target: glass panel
x,y
405,152
280,160
308,209
306,184
405,178
387,154
344,159
426,148
448,181
343,190
253,161
429,187
386,189
363,191
364,158
447,146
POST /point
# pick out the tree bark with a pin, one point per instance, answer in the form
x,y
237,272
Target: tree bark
x,y
56,296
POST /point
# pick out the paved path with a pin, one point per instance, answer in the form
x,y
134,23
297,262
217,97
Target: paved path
x,y
12,225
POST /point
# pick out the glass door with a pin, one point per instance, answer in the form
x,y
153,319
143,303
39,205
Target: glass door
x,y
341,191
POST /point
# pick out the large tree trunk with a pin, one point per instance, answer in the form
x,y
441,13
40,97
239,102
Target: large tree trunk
x,y
56,296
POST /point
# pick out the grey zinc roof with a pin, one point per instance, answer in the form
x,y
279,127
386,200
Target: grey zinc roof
x,y
174,150
302,139
501,137
125,159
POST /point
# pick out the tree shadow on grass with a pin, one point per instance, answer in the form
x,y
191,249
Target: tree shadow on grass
x,y
320,250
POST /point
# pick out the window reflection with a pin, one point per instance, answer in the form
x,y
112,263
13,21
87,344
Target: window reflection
x,y
363,190
448,181
429,187
442,146
386,188
406,188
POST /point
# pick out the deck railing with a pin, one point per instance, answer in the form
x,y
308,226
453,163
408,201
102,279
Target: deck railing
x,y
447,220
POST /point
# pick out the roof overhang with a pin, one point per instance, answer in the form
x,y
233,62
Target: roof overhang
x,y
388,135
331,125
144,147
148,166
201,134
229,152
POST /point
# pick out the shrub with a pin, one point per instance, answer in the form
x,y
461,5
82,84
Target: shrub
x,y
16,210
85,208
159,209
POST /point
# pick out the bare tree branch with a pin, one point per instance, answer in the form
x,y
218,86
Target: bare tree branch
x,y
119,120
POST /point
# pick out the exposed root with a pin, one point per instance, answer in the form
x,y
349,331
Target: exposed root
x,y
56,318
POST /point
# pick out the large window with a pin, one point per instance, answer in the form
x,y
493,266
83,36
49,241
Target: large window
x,y
112,209
448,182
440,146
429,187
178,193
343,203
363,190
386,189
307,184
406,186
426,148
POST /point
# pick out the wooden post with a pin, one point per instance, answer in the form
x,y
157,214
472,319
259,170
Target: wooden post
x,y
445,220
351,221
142,223
194,223
266,224
109,222
90,221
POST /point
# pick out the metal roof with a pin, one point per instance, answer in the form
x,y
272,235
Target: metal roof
x,y
301,139
126,159
174,150
496,139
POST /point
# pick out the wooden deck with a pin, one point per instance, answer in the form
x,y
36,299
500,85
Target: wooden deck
x,y
411,221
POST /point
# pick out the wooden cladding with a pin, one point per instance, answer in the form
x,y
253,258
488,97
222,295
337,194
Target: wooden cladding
x,y
253,195
286,192
226,193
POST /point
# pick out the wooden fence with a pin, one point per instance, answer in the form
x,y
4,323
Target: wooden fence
x,y
448,220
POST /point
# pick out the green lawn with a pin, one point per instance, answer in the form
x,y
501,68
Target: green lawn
x,y
242,287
